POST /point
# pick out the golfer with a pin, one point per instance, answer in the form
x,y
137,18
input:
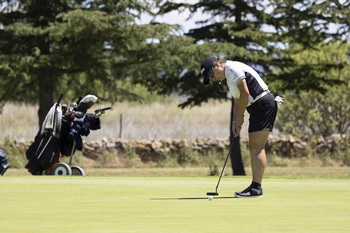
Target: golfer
x,y
249,92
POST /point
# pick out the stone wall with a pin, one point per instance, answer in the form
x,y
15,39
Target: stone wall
x,y
150,150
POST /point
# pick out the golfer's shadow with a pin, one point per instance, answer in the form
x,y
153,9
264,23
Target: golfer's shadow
x,y
190,198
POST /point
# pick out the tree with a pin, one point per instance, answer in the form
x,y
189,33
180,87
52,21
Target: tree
x,y
302,25
310,22
77,47
46,42
313,113
316,34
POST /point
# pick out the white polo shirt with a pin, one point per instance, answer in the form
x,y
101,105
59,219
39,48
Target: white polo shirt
x,y
235,71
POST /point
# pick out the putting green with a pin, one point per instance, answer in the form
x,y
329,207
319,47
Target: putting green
x,y
171,204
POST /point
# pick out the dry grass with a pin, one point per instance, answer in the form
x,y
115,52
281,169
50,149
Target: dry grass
x,y
19,121
153,121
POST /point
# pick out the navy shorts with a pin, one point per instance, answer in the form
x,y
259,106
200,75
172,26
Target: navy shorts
x,y
263,114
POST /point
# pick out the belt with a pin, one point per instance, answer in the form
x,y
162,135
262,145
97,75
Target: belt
x,y
259,97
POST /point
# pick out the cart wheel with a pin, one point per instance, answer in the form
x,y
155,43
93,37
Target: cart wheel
x,y
61,169
77,171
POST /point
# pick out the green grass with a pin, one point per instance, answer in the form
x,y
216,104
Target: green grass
x,y
171,204
284,172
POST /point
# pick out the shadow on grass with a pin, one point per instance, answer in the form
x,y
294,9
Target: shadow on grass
x,y
190,198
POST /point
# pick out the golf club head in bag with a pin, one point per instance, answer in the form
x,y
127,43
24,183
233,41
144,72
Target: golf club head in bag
x,y
87,102
79,109
100,111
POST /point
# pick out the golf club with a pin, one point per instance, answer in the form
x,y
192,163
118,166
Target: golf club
x,y
216,189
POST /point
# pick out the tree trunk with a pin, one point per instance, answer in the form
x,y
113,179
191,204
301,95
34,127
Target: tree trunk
x,y
46,88
236,155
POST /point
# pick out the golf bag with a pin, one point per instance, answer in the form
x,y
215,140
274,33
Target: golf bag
x,y
3,158
60,134
4,165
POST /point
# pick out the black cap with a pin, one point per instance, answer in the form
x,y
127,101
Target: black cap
x,y
206,68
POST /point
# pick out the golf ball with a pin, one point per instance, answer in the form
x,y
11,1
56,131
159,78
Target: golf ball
x,y
210,198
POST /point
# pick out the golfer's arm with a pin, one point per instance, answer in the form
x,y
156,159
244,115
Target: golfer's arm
x,y
235,108
243,99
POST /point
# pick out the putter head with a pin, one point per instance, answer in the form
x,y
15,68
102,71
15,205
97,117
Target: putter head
x,y
212,194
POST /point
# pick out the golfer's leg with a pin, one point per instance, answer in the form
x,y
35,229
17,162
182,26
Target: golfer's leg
x,y
257,141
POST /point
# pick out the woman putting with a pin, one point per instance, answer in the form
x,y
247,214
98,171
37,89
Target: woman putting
x,y
249,92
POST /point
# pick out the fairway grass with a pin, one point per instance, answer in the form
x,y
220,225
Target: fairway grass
x,y
171,204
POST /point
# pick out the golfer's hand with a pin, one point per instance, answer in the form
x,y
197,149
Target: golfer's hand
x,y
237,126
